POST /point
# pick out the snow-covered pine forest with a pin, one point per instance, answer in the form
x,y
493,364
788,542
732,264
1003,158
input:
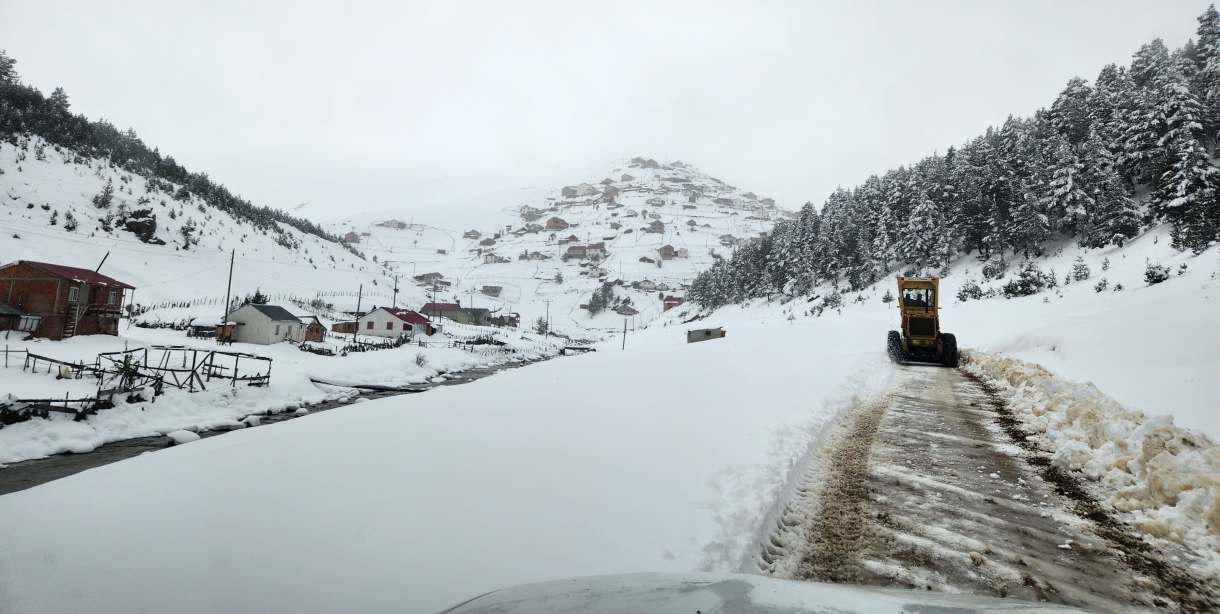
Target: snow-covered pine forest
x,y
1106,161
24,110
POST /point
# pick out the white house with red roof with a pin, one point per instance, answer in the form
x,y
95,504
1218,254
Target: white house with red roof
x,y
395,322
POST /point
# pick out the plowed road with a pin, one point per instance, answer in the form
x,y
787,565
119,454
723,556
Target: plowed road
x,y
933,486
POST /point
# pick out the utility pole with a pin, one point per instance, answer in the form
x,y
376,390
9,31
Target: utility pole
x,y
359,295
548,318
394,302
624,332
224,317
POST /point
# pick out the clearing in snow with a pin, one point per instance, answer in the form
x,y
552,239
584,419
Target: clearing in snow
x,y
924,488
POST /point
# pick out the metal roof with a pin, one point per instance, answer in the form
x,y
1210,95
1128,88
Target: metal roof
x,y
9,310
73,273
275,312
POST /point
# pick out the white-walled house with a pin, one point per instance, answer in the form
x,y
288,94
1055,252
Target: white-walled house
x,y
265,324
393,322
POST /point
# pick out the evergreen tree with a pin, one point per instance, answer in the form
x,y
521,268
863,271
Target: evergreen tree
x,y
925,243
8,69
1206,78
1070,114
1111,216
103,199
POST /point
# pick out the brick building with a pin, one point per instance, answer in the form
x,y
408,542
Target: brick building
x,y
57,301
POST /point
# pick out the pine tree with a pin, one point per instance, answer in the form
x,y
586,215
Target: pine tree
x,y
925,243
1111,217
1070,113
103,199
1205,82
8,70
55,217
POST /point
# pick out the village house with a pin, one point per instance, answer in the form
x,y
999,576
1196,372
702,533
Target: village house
x,y
655,227
490,258
394,322
577,252
477,316
264,324
556,223
569,239
347,327
669,302
433,310
767,202
493,291
351,237
596,250
646,285
728,202
667,252
647,260
625,178
313,330
656,202
488,242
728,240
57,301
626,310
471,234
428,279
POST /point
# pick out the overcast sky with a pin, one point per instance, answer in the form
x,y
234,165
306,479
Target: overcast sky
x,y
399,105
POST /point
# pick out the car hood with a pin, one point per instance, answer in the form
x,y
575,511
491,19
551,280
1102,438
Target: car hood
x,y
727,594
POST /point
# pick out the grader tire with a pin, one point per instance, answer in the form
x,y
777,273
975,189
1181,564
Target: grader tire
x,y
893,345
948,350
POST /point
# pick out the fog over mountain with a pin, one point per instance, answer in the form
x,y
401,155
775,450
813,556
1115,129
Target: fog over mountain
x,y
386,105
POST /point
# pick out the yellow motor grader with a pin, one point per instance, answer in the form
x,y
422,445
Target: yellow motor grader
x,y
921,339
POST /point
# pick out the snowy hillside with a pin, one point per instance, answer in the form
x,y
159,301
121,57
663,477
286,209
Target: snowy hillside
x,y
623,226
57,205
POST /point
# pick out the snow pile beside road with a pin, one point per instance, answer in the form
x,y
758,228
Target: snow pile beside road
x,y
1163,478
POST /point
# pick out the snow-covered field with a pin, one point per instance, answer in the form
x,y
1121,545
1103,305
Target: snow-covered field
x,y
663,457
221,405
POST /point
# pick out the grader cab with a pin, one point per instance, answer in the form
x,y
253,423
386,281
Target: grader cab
x,y
921,338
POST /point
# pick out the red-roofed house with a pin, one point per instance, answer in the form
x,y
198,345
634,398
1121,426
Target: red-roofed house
x,y
669,302
394,322
58,301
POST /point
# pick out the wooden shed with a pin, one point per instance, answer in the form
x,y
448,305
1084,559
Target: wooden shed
x,y
704,334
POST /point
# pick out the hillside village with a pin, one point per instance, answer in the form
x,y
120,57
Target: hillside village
x,y
590,254
109,276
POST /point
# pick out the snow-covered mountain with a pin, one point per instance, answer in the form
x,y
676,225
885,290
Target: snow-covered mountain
x,y
645,228
641,231
59,205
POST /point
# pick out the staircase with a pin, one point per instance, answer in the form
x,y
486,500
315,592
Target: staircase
x,y
71,319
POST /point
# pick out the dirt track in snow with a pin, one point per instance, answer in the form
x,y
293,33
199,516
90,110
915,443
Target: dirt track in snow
x,y
934,486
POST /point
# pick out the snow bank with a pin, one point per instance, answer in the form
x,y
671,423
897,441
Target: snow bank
x,y
1164,479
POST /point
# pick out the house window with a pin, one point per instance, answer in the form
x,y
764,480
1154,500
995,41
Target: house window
x,y
277,330
368,325
112,297
73,294
389,326
405,325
